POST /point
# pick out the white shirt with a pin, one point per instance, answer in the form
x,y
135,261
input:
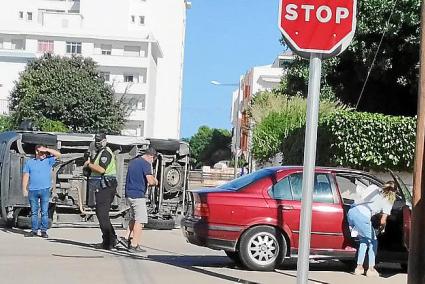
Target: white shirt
x,y
374,202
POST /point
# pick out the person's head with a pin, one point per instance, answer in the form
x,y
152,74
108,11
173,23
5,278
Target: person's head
x,y
150,154
389,190
40,154
389,186
100,140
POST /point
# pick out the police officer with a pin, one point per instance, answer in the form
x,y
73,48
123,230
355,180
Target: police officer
x,y
104,183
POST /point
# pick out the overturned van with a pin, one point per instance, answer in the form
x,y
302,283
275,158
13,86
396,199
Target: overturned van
x,y
72,201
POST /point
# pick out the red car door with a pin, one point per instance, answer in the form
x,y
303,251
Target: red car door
x,y
327,213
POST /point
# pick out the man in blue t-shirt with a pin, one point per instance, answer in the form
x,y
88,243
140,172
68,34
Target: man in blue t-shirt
x,y
139,176
36,184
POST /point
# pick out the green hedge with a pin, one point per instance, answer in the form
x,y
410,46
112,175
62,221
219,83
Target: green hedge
x,y
358,140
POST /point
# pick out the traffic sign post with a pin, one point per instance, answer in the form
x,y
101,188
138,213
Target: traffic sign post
x,y
314,29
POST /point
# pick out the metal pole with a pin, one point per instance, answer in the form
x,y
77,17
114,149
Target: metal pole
x,y
416,272
309,166
237,134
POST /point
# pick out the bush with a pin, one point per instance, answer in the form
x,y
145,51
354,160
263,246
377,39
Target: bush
x,y
6,123
289,114
358,140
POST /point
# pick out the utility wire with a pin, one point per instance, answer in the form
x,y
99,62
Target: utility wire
x,y
376,53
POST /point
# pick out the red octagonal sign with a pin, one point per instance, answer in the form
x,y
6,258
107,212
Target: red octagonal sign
x,y
318,26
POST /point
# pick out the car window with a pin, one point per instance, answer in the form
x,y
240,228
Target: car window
x,y
322,188
353,187
281,190
245,180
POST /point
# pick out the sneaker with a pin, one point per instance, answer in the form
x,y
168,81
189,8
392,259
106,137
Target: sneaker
x,y
137,249
44,235
31,234
125,242
372,273
358,271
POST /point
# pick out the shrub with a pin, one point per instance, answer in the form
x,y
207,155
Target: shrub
x,y
358,140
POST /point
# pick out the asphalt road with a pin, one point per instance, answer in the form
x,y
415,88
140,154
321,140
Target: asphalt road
x,y
69,257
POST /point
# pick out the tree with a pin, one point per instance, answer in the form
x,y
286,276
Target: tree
x,y
69,90
210,145
394,74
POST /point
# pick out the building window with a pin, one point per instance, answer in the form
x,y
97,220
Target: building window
x,y
133,19
105,75
29,16
106,49
141,104
73,47
18,44
141,20
45,46
21,15
130,78
131,50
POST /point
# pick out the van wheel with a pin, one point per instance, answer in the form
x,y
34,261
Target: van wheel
x,y
262,248
160,224
24,222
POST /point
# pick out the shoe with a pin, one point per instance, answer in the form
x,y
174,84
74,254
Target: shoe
x,y
31,234
44,235
372,273
358,271
125,242
137,249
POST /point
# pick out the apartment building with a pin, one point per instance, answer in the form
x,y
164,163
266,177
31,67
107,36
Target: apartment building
x,y
138,45
256,79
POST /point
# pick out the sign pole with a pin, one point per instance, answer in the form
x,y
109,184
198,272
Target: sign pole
x,y
309,166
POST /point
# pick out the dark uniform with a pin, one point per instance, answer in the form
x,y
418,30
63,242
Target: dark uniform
x,y
105,186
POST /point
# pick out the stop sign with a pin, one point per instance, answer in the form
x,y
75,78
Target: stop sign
x,y
319,26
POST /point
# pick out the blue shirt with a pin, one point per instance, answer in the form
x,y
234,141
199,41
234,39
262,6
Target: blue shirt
x,y
40,172
136,182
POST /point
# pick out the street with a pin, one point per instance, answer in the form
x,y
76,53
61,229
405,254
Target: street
x,y
69,257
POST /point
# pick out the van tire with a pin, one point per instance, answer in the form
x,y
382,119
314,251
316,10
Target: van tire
x,y
160,224
24,222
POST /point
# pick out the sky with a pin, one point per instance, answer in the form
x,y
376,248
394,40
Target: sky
x,y
224,39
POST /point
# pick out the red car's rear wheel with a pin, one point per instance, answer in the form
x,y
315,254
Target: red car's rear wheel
x,y
262,248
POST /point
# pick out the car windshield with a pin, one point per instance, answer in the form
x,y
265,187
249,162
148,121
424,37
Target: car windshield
x,y
245,180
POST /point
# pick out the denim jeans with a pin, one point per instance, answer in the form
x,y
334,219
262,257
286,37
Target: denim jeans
x,y
39,198
367,236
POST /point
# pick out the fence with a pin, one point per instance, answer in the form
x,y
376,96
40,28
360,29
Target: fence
x,y
213,178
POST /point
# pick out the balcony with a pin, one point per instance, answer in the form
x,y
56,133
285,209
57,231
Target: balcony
x,y
58,21
130,88
121,61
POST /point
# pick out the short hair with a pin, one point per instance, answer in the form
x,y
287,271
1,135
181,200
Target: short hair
x,y
99,137
39,146
151,152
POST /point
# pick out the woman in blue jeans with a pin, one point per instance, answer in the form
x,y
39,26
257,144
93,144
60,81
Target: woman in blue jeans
x,y
36,184
380,200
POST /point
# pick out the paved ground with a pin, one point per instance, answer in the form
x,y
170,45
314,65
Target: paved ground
x,y
68,257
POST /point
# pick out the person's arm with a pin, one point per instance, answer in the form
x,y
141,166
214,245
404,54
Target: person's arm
x,y
152,181
148,172
104,160
25,179
52,152
384,219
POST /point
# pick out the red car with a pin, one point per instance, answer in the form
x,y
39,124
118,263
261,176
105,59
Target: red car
x,y
255,219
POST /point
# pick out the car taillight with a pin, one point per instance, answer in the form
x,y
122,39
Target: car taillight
x,y
201,210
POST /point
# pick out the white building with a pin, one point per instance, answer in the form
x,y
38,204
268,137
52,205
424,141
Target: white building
x,y
138,45
256,79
